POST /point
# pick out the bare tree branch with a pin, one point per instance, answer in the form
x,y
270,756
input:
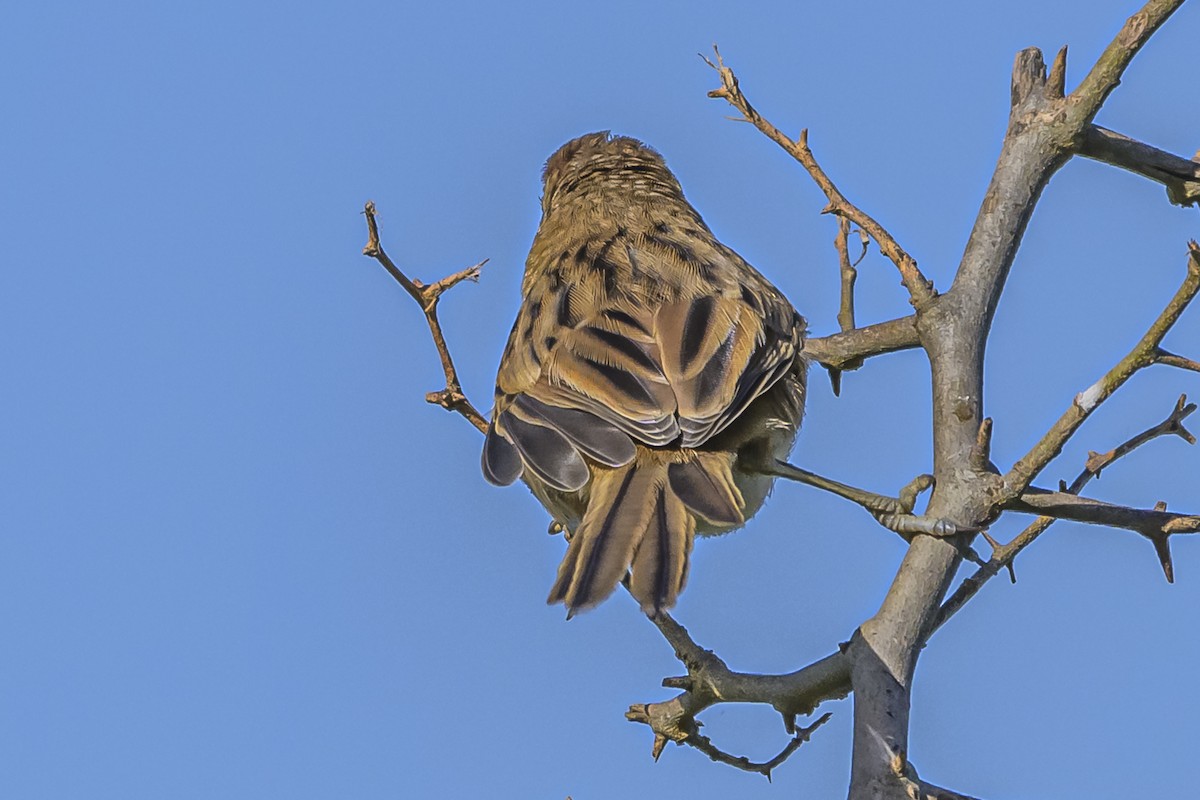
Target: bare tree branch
x,y
705,745
709,681
1172,360
1156,525
920,289
1043,131
427,296
1004,555
849,275
1179,175
843,350
1106,74
1065,505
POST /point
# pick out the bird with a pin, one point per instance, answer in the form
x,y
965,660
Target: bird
x,y
649,375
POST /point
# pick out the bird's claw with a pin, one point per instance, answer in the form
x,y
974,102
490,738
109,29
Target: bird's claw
x,y
883,506
909,525
912,490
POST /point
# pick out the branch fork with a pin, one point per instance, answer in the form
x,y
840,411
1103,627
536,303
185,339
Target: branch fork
x,y
427,296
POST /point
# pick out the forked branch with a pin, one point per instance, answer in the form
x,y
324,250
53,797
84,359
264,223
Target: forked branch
x,y
1003,556
1145,353
709,681
427,296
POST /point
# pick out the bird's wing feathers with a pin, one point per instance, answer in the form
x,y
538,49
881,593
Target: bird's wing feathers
x,y
596,361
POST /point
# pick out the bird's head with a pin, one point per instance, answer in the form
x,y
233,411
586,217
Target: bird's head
x,y
603,164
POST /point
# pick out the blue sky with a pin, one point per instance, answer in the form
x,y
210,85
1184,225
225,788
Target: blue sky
x,y
241,558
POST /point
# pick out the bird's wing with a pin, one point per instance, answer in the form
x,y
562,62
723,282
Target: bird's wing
x,y
595,363
721,350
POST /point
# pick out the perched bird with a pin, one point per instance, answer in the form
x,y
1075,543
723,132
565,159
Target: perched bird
x,y
649,371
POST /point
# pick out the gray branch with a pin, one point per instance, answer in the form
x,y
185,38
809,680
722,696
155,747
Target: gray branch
x,y
841,350
1064,505
1179,175
1043,131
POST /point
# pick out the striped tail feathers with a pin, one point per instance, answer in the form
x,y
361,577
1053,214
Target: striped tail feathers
x,y
644,516
660,563
620,506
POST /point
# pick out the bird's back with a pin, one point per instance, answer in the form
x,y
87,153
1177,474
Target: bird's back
x,y
646,358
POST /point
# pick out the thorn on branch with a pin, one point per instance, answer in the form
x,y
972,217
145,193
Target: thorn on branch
x,y
1174,423
656,749
865,242
1162,548
992,543
666,721
835,379
1095,463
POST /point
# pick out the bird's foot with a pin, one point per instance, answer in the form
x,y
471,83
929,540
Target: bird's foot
x,y
894,513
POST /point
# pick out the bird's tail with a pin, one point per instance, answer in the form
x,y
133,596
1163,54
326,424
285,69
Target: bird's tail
x,y
643,515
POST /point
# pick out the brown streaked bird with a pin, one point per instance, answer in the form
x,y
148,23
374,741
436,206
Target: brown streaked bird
x,y
649,370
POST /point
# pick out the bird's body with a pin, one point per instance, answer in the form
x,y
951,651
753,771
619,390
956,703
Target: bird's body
x,y
648,362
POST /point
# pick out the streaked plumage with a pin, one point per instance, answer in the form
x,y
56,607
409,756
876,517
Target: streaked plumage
x,y
647,362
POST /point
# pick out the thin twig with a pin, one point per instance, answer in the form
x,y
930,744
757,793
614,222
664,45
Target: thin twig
x,y
427,296
920,289
848,273
705,745
1172,360
1094,89
1145,353
1068,506
1179,175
